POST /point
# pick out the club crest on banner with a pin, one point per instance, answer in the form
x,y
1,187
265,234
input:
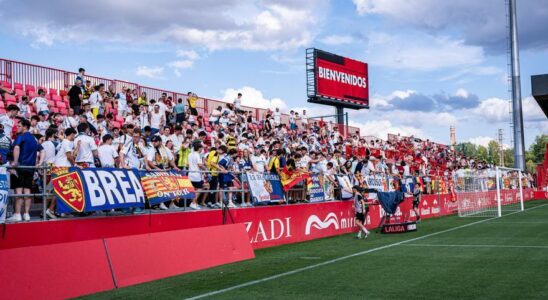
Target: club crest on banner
x,y
69,188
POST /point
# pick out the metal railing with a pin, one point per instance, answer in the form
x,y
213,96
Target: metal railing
x,y
243,191
15,72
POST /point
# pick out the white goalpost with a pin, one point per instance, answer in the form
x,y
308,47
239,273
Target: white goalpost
x,y
489,193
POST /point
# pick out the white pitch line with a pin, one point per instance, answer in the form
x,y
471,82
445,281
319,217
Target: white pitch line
x,y
329,262
475,246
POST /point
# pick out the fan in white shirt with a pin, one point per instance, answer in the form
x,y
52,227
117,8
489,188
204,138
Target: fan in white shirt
x,y
41,103
49,147
88,148
107,152
66,150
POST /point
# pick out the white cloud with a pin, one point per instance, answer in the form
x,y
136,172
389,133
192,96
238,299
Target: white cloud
x,y
481,140
422,52
254,98
189,54
479,22
150,72
189,57
496,109
462,93
493,109
209,24
335,40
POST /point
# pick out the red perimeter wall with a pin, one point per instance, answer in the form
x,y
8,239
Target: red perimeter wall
x,y
266,226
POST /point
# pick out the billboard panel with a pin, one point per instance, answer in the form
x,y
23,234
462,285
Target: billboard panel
x,y
336,80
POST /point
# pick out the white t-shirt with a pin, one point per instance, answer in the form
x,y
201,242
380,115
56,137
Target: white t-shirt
x,y
122,101
163,107
61,159
24,109
259,163
237,103
143,119
165,156
70,122
87,146
41,104
95,100
156,119
107,154
7,123
131,155
277,118
193,161
49,151
42,126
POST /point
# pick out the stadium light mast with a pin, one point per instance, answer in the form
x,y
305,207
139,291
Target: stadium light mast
x,y
517,114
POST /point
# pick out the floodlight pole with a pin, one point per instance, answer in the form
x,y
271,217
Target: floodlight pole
x,y
517,115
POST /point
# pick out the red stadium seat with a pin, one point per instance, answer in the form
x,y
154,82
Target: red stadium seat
x,y
2,111
17,86
56,98
10,102
20,92
31,94
53,92
54,109
6,84
63,93
63,111
29,88
1,104
60,104
48,96
66,99
8,97
120,119
51,103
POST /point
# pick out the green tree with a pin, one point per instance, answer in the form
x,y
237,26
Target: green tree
x,y
537,149
494,152
482,153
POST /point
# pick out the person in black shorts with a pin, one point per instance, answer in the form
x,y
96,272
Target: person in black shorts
x,y
417,200
361,208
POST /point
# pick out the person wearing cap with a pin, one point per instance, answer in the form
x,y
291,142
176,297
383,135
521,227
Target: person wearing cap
x,y
361,209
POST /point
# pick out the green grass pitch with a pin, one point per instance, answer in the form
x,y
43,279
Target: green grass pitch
x,y
447,258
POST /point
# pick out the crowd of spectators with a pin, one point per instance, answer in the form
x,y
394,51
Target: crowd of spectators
x,y
214,149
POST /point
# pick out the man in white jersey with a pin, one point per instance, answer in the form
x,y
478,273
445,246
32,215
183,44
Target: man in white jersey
x,y
88,149
107,152
67,150
157,120
49,146
40,102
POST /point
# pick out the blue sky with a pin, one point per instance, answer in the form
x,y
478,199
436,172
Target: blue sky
x,y
432,64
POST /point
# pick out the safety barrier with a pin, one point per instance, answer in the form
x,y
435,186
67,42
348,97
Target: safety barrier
x,y
315,188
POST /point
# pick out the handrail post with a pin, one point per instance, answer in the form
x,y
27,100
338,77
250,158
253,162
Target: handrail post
x,y
44,197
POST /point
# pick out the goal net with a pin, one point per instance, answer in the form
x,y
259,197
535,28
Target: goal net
x,y
489,193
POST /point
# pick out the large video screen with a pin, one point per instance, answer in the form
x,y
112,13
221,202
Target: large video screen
x,y
339,80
